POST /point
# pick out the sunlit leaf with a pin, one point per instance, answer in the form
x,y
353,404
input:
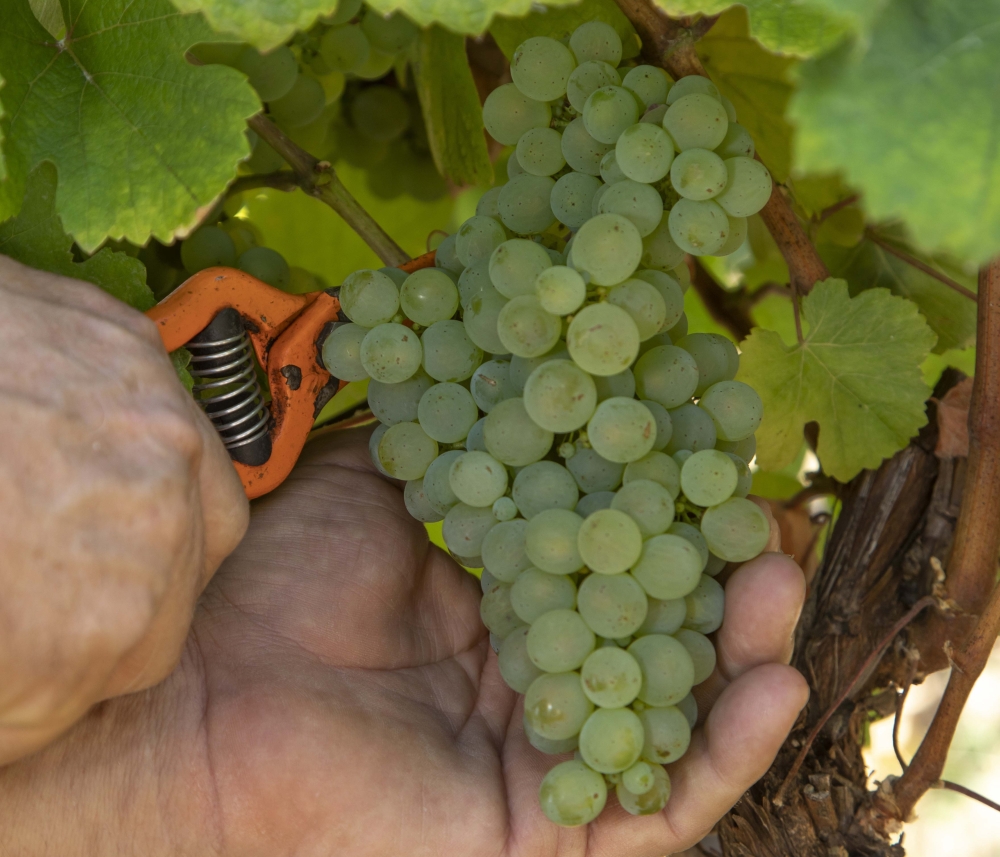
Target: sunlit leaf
x,y
857,374
451,108
35,237
141,139
910,117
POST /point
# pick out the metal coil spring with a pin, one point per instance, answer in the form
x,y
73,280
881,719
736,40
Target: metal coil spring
x,y
227,389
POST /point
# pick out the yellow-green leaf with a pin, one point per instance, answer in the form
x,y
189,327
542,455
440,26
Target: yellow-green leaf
x,y
470,17
910,117
952,316
857,374
141,139
560,23
798,27
3,168
36,238
50,15
758,84
451,108
263,23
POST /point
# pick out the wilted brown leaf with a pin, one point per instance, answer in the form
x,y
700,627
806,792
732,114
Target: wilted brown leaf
x,y
953,421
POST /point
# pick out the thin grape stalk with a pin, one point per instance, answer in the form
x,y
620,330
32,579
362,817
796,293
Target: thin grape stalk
x,y
549,407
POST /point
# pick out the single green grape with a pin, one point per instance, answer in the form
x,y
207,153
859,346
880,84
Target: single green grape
x,y
508,113
611,740
267,265
572,794
206,248
559,640
503,549
271,74
544,485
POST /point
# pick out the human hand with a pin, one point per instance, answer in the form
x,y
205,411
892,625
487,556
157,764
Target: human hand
x,y
338,695
117,503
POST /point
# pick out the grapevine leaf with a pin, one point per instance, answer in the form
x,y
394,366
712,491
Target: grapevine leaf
x,y
263,23
451,108
36,238
181,358
141,139
815,192
3,167
797,27
470,17
857,374
910,118
560,23
50,15
866,265
757,82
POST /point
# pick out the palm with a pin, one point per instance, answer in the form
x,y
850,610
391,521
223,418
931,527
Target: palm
x,y
339,696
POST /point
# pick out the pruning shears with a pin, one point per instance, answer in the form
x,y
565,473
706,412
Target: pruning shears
x,y
225,317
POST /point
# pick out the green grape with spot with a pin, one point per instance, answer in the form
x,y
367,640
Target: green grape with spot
x,y
271,74
266,265
206,248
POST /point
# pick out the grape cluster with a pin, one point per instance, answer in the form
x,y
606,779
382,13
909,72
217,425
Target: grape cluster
x,y
668,157
332,91
544,398
235,243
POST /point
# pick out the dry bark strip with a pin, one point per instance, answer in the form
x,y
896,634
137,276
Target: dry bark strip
x,y
878,563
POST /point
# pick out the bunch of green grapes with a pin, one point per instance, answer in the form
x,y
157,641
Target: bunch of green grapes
x,y
338,90
544,399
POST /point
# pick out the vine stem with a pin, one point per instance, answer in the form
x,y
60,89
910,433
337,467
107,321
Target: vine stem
x,y
941,784
726,308
973,563
870,661
805,268
280,180
921,266
671,45
320,180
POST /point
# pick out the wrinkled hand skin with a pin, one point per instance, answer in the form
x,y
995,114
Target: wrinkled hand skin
x,y
338,696
117,504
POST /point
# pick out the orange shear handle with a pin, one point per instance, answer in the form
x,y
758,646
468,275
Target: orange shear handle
x,y
286,332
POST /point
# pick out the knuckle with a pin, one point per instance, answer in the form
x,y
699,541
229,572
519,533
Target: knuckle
x,y
179,431
61,664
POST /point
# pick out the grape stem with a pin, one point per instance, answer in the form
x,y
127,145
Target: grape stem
x,y
863,670
281,180
670,44
320,180
971,577
727,308
920,266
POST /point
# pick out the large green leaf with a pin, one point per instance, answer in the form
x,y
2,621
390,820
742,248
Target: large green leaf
x,y
450,104
36,238
470,17
268,23
911,120
867,265
3,165
50,15
559,23
757,82
141,139
857,374
264,23
799,27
